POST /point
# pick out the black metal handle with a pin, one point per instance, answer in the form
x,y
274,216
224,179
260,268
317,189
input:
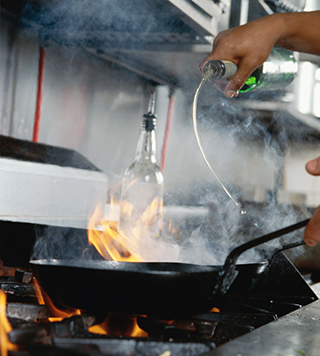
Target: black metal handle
x,y
229,272
284,248
235,253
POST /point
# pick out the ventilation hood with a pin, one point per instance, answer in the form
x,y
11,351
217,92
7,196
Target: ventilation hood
x,y
161,40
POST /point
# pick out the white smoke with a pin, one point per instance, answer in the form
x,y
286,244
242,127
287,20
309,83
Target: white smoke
x,y
237,132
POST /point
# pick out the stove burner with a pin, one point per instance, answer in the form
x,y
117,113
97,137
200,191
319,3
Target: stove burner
x,y
236,314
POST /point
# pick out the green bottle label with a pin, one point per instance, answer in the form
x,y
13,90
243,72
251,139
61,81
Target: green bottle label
x,y
277,72
251,81
249,85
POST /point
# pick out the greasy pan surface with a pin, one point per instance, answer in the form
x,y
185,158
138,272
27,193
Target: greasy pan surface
x,y
159,289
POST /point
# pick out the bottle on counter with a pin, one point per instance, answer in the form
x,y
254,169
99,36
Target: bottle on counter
x,y
277,72
143,184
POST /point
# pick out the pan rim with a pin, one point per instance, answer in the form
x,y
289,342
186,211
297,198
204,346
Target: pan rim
x,y
148,267
134,267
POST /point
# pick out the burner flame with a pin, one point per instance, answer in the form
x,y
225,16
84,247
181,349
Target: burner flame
x,y
5,327
58,314
119,325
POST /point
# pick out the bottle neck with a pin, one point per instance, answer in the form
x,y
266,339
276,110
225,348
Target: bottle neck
x,y
217,69
146,148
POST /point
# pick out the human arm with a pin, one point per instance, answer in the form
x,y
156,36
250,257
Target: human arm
x,y
312,231
249,45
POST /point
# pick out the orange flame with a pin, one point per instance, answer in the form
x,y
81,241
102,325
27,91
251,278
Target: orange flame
x,y
121,325
109,242
38,292
5,327
114,244
215,310
58,314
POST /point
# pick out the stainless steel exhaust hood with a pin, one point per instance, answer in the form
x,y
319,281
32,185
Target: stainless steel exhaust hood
x,y
161,40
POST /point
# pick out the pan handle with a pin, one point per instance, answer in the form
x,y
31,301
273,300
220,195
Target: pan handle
x,y
284,248
235,253
229,273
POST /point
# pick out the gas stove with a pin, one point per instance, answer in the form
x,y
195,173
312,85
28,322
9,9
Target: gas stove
x,y
281,316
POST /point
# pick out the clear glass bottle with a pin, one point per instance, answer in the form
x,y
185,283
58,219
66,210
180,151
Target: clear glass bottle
x,y
277,72
143,185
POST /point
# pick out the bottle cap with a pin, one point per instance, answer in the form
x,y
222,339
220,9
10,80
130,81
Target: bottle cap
x,y
149,122
214,69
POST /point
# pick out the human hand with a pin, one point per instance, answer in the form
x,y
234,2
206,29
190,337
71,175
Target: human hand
x,y
312,231
248,46
313,167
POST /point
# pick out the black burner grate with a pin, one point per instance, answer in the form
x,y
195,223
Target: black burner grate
x,y
239,312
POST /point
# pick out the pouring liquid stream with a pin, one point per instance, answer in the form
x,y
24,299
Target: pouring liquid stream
x,y
195,128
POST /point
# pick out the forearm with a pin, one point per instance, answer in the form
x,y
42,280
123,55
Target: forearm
x,y
299,31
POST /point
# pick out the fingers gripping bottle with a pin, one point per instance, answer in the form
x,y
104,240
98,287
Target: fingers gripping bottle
x,y
277,72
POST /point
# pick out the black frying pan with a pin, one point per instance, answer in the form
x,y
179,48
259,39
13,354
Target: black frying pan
x,y
159,289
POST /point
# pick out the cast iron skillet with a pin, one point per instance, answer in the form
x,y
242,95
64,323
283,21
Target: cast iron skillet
x,y
159,289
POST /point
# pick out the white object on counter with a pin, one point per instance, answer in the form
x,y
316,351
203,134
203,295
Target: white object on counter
x,y
49,194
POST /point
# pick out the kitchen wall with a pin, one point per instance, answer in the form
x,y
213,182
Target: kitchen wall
x,y
95,108
87,103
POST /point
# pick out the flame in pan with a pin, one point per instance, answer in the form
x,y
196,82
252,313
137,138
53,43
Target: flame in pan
x,y
111,242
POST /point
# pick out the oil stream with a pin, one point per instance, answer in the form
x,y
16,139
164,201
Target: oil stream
x,y
195,128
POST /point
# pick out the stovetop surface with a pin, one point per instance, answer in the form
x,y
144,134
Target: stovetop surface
x,y
295,334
